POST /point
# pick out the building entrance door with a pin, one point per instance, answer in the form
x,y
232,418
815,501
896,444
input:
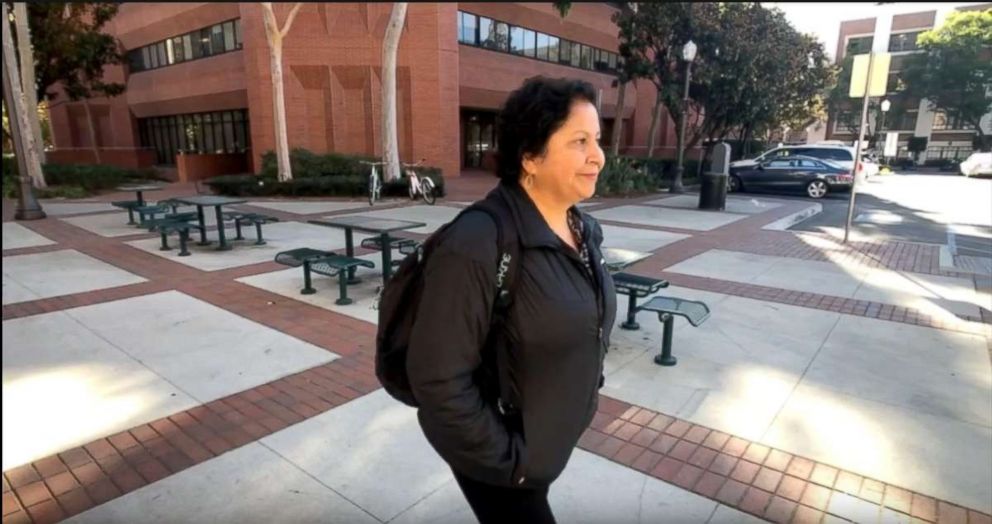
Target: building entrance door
x,y
479,132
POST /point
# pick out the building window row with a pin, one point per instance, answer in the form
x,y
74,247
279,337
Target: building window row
x,y
944,122
901,42
492,34
197,133
208,41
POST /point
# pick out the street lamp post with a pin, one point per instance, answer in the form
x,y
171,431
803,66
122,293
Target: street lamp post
x,y
881,127
688,54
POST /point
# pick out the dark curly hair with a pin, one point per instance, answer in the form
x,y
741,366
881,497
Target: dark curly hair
x,y
530,116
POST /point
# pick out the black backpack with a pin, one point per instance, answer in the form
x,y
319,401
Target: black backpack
x,y
402,293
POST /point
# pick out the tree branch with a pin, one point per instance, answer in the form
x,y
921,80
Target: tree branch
x,y
289,19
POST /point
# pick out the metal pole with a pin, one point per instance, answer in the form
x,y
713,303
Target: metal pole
x,y
857,149
28,207
685,114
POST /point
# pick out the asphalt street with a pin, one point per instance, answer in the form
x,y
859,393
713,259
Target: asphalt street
x,y
934,208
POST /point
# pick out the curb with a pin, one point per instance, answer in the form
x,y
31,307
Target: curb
x,y
786,222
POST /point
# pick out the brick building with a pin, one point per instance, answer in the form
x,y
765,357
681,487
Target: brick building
x,y
947,136
199,96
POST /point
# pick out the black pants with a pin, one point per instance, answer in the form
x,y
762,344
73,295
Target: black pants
x,y
495,504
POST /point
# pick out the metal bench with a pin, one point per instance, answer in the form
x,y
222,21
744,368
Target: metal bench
x,y
395,243
150,210
176,226
153,223
635,287
668,308
257,219
325,263
129,205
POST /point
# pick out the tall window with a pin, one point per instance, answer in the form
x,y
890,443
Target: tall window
x,y
208,41
517,40
859,45
467,26
903,42
542,46
214,132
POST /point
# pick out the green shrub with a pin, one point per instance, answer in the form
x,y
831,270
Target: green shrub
x,y
75,181
62,192
330,174
662,170
9,177
622,176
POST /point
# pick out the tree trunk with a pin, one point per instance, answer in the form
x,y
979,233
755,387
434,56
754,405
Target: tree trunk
x,y
390,47
275,35
653,130
618,121
89,123
18,114
26,52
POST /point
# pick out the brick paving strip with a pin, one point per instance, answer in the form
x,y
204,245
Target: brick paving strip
x,y
768,483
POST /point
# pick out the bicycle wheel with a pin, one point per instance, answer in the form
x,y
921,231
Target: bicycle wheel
x,y
427,190
409,186
374,188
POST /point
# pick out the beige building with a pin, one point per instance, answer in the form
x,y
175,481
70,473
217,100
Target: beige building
x,y
947,136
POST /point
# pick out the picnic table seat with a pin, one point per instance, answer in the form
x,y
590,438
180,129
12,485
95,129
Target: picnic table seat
x,y
129,205
150,210
153,223
668,308
394,243
325,263
176,226
241,218
635,287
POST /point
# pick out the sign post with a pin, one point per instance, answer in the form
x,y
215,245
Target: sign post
x,y
868,78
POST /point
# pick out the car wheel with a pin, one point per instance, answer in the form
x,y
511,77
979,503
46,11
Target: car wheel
x,y
734,184
817,189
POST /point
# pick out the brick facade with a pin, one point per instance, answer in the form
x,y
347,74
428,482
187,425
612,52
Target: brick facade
x,y
332,81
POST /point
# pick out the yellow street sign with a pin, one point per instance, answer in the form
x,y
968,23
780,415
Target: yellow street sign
x,y
879,74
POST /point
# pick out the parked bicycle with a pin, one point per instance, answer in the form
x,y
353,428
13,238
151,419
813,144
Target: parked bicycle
x,y
422,186
375,182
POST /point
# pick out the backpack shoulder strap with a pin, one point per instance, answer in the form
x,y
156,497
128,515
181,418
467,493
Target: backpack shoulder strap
x,y
508,247
508,266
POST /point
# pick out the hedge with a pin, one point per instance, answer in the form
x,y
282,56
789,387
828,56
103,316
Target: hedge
x,y
74,180
329,174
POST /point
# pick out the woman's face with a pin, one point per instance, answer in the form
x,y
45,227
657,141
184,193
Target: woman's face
x,y
568,170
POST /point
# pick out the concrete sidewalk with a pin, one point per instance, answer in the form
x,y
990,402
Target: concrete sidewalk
x,y
831,383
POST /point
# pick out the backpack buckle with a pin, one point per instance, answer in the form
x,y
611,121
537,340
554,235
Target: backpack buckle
x,y
505,409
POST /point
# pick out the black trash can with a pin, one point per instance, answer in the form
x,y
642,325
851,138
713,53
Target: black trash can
x,y
713,191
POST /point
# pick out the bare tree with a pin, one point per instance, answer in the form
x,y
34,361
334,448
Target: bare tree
x,y
275,36
19,110
390,47
26,52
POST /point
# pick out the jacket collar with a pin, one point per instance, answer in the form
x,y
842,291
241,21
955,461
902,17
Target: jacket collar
x,y
532,229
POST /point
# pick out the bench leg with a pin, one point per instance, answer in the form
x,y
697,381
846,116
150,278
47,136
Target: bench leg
x,y
130,217
183,238
343,299
307,288
631,322
666,358
258,233
237,229
165,242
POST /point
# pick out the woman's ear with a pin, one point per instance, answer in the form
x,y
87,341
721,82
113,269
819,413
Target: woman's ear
x,y
530,164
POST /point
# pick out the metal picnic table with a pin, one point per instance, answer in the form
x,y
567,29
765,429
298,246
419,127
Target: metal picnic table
x,y
139,189
201,201
366,224
618,258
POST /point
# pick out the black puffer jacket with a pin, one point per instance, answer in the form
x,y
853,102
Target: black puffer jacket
x,y
557,332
